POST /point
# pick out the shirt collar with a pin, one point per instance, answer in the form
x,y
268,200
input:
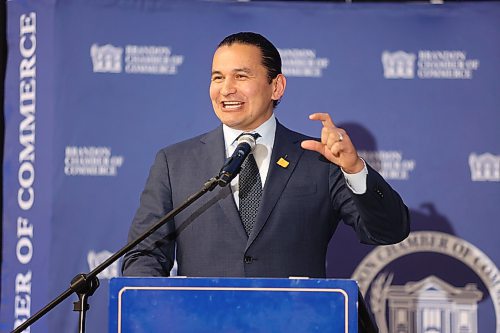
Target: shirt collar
x,y
267,132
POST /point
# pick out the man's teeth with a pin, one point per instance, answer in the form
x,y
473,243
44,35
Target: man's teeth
x,y
231,105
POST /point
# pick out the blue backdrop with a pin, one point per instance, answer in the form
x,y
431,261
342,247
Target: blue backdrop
x,y
95,88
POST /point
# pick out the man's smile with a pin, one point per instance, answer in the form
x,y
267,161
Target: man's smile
x,y
231,105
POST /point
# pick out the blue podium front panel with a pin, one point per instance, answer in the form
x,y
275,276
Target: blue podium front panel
x,y
232,305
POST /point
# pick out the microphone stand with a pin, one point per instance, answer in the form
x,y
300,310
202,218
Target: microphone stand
x,y
84,285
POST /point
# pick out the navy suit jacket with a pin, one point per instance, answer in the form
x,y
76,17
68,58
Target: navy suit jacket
x,y
301,207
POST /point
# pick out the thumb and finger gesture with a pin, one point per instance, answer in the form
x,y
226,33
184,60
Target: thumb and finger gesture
x,y
335,145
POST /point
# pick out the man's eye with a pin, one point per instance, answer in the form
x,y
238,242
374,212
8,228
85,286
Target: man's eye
x,y
216,78
241,76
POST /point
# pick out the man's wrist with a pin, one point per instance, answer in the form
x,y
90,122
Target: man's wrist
x,y
357,181
356,168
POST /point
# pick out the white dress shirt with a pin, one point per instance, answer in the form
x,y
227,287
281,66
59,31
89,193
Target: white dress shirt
x,y
262,153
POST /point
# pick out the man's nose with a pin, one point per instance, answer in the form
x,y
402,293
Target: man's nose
x,y
228,87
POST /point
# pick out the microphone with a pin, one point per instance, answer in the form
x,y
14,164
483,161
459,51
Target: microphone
x,y
232,166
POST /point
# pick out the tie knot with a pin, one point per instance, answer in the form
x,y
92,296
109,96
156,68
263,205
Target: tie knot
x,y
254,135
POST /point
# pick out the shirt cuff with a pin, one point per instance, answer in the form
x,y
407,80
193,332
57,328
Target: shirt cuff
x,y
356,182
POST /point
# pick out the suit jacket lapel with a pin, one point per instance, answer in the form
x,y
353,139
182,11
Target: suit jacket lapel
x,y
286,145
212,152
214,158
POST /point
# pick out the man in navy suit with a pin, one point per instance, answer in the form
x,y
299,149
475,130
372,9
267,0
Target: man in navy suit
x,y
308,186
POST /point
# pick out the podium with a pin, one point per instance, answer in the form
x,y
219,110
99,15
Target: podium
x,y
234,305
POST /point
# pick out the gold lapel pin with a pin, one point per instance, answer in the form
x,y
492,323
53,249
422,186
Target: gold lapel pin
x,y
282,162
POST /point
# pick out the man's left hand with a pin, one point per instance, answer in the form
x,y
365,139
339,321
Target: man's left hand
x,y
335,145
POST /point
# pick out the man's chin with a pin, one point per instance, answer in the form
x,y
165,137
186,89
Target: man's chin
x,y
234,125
232,122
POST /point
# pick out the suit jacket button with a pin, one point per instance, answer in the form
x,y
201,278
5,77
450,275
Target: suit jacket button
x,y
248,260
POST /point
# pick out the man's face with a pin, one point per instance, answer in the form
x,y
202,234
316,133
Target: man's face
x,y
241,94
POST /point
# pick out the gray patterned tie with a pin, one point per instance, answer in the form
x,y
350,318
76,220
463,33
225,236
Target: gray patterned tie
x,y
250,192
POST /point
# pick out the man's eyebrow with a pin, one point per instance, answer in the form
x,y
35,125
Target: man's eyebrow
x,y
243,69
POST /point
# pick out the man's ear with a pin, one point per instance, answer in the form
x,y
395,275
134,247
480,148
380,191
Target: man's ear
x,y
279,85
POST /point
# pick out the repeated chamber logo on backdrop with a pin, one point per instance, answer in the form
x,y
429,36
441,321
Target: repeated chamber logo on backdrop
x,y
484,167
298,62
428,64
135,59
389,163
429,303
91,161
94,259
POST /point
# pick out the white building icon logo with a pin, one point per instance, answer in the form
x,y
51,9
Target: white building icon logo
x,y
484,167
430,305
106,58
398,65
